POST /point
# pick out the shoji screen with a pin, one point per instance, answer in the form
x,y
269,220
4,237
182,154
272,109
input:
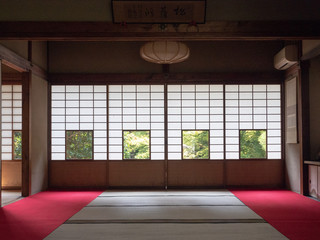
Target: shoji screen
x,y
11,122
79,107
136,107
253,107
195,107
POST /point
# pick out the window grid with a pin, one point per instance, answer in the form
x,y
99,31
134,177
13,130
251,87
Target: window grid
x,y
197,107
11,118
79,107
256,107
221,109
136,107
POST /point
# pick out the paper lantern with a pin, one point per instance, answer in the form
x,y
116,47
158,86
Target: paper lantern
x,y
164,52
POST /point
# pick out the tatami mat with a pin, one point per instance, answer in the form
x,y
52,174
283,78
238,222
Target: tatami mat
x,y
238,231
165,212
219,192
167,201
121,215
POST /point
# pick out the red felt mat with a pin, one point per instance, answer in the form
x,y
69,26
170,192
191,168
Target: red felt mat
x,y
295,216
37,216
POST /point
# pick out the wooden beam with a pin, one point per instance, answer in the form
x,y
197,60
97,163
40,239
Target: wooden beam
x,y
107,31
18,63
12,78
160,78
13,60
313,53
26,85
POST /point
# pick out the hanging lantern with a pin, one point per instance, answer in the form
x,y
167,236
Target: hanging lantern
x,y
164,52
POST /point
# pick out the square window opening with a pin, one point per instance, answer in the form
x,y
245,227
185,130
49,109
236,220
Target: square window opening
x,y
136,144
195,144
79,145
253,144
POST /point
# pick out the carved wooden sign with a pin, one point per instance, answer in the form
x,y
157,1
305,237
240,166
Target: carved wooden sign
x,y
128,11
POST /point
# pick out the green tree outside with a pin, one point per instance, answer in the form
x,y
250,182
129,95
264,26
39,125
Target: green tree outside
x,y
195,144
253,143
136,144
79,144
17,145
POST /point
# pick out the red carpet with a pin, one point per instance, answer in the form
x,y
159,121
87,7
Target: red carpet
x,y
295,216
37,216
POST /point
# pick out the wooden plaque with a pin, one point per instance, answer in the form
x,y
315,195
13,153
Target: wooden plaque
x,y
128,11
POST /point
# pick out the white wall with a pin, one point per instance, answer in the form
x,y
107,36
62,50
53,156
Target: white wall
x,y
39,128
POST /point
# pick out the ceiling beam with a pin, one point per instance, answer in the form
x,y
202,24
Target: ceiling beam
x,y
107,31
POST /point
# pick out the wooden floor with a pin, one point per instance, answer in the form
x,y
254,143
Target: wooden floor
x,y
172,215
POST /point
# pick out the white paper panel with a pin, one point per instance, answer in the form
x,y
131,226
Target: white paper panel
x,y
57,88
142,103
17,88
174,88
100,149
216,141
245,88
216,95
57,134
202,125
6,88
232,95
100,156
260,88
128,88
246,125
157,133
6,156
188,125
274,155
173,156
58,104
143,88
232,155
231,88
71,104
115,156
17,96
72,126
115,88
202,88
216,156
7,141
86,104
157,88
6,133
157,156
188,95
143,126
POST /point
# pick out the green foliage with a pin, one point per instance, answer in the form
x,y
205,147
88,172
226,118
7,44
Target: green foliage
x,y
195,144
136,145
78,144
17,145
253,143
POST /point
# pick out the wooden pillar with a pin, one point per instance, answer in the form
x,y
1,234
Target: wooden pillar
x,y
304,127
25,188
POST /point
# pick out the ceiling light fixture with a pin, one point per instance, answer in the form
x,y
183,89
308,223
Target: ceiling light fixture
x,y
164,52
